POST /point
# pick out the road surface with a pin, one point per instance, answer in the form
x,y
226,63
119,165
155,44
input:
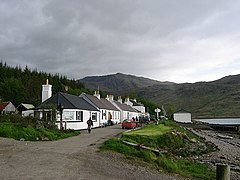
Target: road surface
x,y
72,158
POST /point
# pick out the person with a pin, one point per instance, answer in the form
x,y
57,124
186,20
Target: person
x,y
90,124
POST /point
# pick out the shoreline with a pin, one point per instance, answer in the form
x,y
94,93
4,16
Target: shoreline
x,y
228,149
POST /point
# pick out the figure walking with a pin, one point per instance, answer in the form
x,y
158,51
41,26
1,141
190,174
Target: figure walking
x,y
90,124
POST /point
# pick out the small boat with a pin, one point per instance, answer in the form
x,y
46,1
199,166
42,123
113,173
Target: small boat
x,y
224,136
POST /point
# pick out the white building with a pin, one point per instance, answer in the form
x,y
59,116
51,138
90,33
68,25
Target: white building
x,y
127,111
182,116
68,111
7,108
26,109
108,112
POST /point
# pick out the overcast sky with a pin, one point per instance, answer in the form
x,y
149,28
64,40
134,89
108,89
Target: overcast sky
x,y
167,40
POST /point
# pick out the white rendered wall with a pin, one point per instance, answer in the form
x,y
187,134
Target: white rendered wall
x,y
182,117
72,124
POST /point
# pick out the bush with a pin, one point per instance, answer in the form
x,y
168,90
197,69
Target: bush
x,y
16,131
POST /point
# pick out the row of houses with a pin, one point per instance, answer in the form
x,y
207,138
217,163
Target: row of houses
x,y
72,112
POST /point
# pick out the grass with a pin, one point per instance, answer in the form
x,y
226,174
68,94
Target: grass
x,y
19,128
151,130
168,136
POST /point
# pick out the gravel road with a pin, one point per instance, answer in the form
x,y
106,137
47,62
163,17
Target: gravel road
x,y
72,158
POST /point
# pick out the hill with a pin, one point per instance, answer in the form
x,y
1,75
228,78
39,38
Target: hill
x,y
220,98
118,83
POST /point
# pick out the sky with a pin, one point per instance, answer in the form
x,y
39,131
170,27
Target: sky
x,y
166,40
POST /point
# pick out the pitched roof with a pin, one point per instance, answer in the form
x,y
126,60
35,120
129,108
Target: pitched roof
x,y
109,104
136,103
124,107
101,103
96,101
3,105
68,101
24,106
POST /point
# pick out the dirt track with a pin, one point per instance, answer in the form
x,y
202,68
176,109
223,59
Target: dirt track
x,y
73,158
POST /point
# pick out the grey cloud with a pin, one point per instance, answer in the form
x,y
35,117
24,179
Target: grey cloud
x,y
147,38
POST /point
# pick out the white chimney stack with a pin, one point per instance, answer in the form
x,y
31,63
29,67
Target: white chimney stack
x,y
46,91
107,98
97,94
110,97
127,101
120,99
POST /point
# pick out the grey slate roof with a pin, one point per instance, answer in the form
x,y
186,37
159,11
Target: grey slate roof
x,y
109,105
96,101
124,107
100,103
68,101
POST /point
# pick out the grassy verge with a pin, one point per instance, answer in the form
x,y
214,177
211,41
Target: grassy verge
x,y
21,128
179,143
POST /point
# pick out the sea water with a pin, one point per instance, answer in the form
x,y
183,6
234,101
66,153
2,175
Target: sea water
x,y
224,121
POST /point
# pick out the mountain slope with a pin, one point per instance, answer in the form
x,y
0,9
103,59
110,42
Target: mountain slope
x,y
118,82
220,98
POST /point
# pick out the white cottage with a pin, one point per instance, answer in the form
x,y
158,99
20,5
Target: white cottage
x,y
75,111
26,109
67,111
182,116
126,110
107,110
7,107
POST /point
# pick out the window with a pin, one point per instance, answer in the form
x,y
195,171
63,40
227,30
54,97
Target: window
x,y
94,116
79,116
68,115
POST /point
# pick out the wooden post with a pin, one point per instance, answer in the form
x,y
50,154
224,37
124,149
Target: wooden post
x,y
223,172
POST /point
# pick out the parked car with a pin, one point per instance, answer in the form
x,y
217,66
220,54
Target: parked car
x,y
129,124
145,119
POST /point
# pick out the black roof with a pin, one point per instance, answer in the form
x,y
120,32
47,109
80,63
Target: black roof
x,y
68,101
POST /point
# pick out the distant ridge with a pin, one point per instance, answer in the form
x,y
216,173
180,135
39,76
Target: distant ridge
x,y
119,82
219,98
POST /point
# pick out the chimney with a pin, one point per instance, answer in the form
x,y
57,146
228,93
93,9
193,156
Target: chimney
x,y
46,91
110,97
97,94
107,98
127,101
135,100
120,99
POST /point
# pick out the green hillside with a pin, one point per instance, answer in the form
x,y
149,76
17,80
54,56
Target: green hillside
x,y
218,98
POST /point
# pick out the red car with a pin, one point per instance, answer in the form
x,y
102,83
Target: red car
x,y
129,124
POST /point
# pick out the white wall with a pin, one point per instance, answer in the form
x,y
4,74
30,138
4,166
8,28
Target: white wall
x,y
75,124
182,117
9,108
140,108
28,113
